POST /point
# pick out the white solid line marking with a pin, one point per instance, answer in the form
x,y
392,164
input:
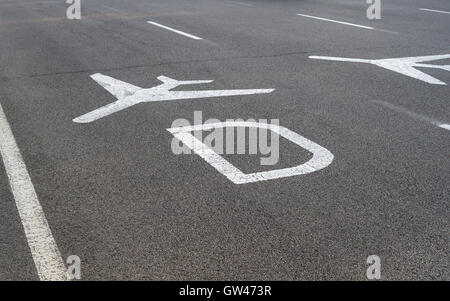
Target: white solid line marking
x,y
176,31
46,256
435,11
340,22
412,114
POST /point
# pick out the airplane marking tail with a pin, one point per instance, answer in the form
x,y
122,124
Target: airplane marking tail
x,y
171,81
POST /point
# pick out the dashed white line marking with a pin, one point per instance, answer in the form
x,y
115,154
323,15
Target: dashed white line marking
x,y
435,11
175,30
335,21
321,156
412,114
46,256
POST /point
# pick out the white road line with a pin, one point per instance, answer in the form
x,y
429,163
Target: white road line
x,y
46,256
435,11
412,114
176,31
334,21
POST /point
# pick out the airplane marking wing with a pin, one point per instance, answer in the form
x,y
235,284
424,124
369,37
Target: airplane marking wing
x,y
109,109
116,87
443,67
420,59
173,95
408,70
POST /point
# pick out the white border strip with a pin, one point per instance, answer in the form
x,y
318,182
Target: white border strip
x,y
46,256
435,11
334,21
176,31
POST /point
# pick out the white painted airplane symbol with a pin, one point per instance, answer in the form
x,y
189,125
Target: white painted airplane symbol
x,y
406,65
129,95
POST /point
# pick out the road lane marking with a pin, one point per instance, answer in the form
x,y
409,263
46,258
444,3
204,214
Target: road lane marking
x,y
403,65
3,4
45,252
129,95
321,156
435,11
335,21
414,115
175,30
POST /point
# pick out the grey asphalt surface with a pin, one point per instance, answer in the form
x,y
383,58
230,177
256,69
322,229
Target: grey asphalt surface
x,y
115,195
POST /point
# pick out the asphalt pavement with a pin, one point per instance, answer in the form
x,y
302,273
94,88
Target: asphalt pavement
x,y
114,193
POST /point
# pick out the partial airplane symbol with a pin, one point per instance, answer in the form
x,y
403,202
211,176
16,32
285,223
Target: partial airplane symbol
x,y
129,95
406,66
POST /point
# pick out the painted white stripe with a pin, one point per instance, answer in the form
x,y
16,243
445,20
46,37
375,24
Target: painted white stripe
x,y
412,114
176,31
335,21
46,256
435,11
